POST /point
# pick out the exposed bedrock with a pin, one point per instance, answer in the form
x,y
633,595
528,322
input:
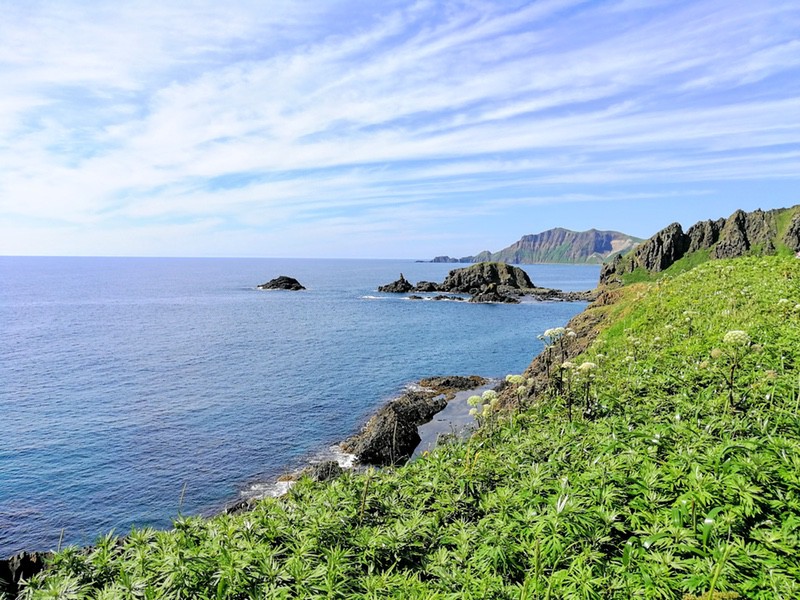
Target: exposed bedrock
x,y
742,233
391,435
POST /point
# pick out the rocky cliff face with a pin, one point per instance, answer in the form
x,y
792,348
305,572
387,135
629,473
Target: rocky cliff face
x,y
557,245
742,233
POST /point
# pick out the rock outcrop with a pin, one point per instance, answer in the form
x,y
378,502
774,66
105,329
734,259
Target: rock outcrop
x,y
489,293
426,286
282,283
742,233
477,278
792,236
391,435
401,286
324,471
485,282
19,567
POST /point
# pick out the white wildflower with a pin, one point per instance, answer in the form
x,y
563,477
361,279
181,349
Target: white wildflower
x,y
736,338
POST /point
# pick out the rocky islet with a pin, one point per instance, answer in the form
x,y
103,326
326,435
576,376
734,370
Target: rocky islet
x,y
487,282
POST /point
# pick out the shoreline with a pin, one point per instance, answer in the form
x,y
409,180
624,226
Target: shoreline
x,y
452,419
456,420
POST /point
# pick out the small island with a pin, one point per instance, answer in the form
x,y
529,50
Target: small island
x,y
282,282
486,282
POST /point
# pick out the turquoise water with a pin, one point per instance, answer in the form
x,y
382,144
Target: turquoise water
x,y
124,380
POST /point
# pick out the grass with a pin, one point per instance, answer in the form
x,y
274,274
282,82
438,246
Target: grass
x,y
681,480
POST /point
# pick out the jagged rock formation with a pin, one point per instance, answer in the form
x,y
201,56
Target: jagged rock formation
x,y
486,282
391,435
792,236
474,279
489,293
401,286
282,283
426,286
742,233
557,245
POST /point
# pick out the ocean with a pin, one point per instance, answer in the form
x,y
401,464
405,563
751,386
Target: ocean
x,y
132,389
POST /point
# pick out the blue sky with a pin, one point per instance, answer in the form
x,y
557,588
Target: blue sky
x,y
386,129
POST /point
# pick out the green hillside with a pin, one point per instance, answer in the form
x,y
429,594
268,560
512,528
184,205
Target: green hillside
x,y
665,463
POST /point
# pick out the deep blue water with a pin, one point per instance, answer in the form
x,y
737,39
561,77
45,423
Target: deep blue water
x,y
122,380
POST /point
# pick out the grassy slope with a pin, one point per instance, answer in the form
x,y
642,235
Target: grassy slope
x,y
669,490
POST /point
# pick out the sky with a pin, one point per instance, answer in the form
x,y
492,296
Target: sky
x,y
391,129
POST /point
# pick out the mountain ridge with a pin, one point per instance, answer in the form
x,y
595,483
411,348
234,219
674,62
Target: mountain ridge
x,y
557,245
759,233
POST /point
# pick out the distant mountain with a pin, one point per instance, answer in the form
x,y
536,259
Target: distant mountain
x,y
557,245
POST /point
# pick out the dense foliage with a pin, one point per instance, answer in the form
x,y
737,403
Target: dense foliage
x,y
677,476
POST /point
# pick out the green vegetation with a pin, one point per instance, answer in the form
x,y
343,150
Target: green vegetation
x,y
678,476
686,263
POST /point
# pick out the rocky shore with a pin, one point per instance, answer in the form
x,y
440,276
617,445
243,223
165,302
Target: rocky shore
x,y
389,438
391,435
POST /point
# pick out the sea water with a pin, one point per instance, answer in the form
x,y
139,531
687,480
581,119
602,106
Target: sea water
x,y
132,389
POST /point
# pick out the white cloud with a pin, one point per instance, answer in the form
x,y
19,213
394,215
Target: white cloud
x,y
132,117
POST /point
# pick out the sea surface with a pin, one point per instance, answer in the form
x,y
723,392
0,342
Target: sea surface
x,y
132,389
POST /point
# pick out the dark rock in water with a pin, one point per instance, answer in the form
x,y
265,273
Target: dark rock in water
x,y
476,277
282,283
485,282
414,297
426,286
324,471
490,294
401,286
20,566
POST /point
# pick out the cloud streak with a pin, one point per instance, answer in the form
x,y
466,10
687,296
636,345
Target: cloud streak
x,y
336,120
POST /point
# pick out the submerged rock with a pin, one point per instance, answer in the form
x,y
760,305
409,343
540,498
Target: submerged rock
x,y
282,283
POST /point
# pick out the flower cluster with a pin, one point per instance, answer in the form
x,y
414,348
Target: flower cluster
x,y
736,338
483,405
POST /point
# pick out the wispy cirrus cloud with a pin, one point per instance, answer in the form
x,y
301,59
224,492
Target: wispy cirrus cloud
x,y
332,121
